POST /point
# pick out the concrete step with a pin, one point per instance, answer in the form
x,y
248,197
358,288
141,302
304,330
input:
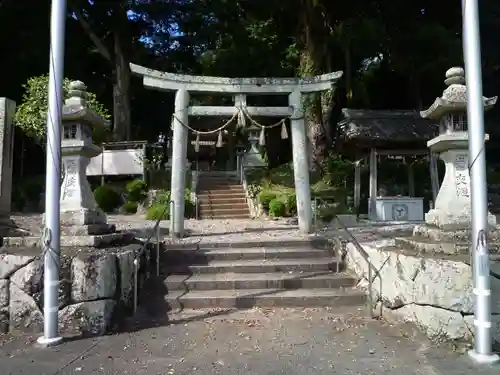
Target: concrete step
x,y
224,213
218,199
214,216
221,205
256,266
219,186
221,194
233,281
225,210
194,255
249,298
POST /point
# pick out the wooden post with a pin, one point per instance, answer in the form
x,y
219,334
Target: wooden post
x,y
357,185
411,181
372,210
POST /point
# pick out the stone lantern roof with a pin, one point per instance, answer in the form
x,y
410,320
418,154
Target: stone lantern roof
x,y
454,98
75,107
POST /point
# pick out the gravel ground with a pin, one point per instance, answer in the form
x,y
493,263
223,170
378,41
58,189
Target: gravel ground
x,y
260,342
208,231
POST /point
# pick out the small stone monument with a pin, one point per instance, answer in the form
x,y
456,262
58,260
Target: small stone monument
x,y
448,224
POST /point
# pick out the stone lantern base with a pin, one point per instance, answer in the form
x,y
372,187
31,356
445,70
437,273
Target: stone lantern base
x,y
448,225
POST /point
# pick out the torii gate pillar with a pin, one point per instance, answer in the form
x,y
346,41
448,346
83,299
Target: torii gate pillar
x,y
300,163
179,154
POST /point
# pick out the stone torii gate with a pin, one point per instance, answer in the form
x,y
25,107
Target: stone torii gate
x,y
240,88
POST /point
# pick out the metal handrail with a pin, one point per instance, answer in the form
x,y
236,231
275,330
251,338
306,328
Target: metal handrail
x,y
359,248
366,257
155,230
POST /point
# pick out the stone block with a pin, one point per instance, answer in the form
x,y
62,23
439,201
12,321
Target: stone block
x,y
94,277
88,229
433,292
438,324
24,313
4,305
10,262
83,217
30,280
88,318
126,275
100,240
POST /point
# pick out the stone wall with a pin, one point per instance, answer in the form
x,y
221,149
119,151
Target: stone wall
x,y
96,288
435,293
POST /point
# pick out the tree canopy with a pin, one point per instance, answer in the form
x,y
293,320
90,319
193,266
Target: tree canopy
x,y
393,54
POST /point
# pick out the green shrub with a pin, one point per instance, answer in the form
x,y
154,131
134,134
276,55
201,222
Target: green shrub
x,y
291,204
277,208
157,211
161,197
107,198
129,207
265,198
136,190
189,208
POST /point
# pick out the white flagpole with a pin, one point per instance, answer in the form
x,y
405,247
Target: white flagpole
x,y
51,238
482,352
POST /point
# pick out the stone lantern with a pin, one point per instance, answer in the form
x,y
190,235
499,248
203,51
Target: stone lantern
x,y
253,157
452,209
79,209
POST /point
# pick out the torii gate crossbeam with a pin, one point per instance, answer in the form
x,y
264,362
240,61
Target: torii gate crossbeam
x,y
240,87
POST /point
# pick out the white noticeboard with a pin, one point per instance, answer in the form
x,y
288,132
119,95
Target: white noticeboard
x,y
399,209
117,162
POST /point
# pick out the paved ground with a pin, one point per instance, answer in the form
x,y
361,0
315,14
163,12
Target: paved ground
x,y
260,342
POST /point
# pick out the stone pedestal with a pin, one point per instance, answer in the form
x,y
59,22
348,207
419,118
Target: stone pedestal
x,y
452,209
80,215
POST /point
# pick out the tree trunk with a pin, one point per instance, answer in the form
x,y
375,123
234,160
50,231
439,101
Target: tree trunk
x,y
317,138
121,92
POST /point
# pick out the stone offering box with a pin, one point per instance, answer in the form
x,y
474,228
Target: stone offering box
x,y
399,209
95,292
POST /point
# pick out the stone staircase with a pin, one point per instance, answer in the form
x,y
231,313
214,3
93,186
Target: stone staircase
x,y
294,274
221,196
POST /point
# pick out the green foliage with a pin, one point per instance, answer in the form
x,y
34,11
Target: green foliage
x,y
137,190
157,211
31,114
129,207
189,208
291,204
336,170
107,198
265,198
277,208
161,197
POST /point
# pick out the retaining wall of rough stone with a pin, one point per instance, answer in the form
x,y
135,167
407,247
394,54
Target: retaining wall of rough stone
x,y
435,293
95,290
